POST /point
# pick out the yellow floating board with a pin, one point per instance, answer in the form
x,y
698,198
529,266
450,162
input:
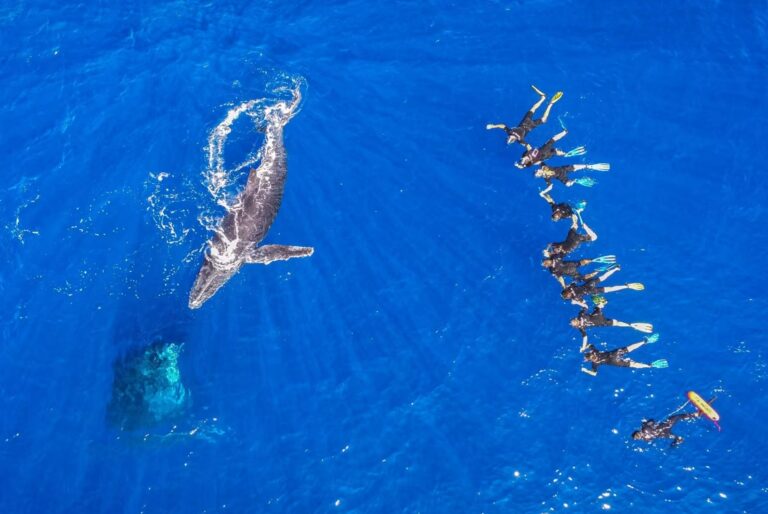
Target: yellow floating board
x,y
703,406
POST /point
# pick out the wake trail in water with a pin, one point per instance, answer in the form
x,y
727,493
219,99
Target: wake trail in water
x,y
263,113
172,199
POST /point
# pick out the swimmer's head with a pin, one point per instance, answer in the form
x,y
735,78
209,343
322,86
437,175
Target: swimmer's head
x,y
560,211
568,293
575,323
637,435
544,172
547,252
547,263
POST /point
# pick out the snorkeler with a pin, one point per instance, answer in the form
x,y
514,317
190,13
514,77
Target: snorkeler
x,y
576,292
596,318
517,134
538,155
561,211
572,240
561,173
651,429
616,357
560,268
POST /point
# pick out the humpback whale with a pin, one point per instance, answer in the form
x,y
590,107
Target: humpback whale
x,y
236,239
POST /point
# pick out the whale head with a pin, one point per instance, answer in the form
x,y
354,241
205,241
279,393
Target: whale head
x,y
209,279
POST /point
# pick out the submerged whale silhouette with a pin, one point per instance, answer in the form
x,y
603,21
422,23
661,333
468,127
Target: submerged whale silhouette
x,y
246,224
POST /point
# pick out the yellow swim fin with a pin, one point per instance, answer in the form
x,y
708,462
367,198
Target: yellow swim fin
x,y
636,286
557,97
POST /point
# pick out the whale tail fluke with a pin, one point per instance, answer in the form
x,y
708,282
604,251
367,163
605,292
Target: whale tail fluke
x,y
270,253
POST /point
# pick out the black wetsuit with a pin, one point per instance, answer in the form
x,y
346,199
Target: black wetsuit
x,y
563,209
541,154
611,358
572,241
561,268
589,287
651,429
594,319
524,127
561,173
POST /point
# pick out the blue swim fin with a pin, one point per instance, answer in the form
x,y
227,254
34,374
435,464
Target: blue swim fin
x,y
585,181
651,338
605,259
579,150
660,364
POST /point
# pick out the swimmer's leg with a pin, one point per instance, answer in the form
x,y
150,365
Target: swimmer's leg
x,y
646,328
552,102
541,100
682,417
613,269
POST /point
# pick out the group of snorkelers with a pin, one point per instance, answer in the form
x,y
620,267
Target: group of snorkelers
x,y
578,285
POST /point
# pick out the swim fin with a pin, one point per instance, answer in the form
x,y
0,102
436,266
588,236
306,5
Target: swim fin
x,y
651,338
599,300
599,167
580,206
646,328
579,150
537,90
660,364
605,259
585,181
636,286
557,97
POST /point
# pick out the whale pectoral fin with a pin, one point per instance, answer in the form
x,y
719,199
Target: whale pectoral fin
x,y
270,253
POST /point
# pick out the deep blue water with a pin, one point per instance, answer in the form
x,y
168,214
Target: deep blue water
x,y
421,360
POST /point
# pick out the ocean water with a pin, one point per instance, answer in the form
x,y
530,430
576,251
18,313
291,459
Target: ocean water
x,y
420,361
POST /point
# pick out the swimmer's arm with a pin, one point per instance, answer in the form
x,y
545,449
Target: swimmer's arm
x,y
584,343
496,126
545,196
590,232
580,303
559,136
